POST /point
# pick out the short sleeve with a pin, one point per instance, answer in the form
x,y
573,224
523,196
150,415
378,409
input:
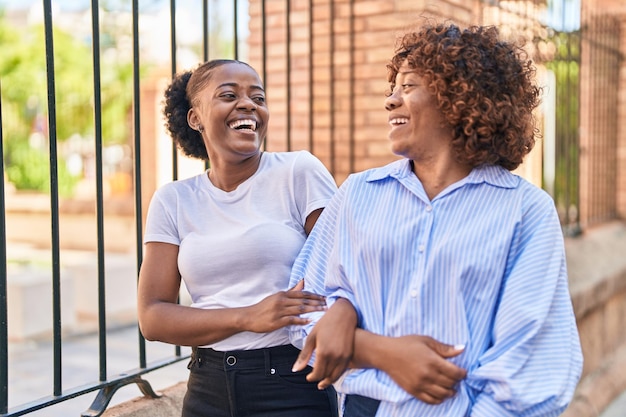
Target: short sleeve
x,y
313,184
161,223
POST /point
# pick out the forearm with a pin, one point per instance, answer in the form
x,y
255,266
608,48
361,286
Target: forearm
x,y
190,326
369,350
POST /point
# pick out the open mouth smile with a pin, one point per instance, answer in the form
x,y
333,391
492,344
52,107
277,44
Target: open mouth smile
x,y
397,121
244,125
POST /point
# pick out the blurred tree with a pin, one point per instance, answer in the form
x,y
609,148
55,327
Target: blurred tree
x,y
25,105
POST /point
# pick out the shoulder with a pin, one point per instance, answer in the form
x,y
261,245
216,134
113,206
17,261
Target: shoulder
x,y
291,157
534,196
296,162
502,178
178,188
394,169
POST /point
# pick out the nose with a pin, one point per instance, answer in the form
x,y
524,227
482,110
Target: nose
x,y
392,101
246,103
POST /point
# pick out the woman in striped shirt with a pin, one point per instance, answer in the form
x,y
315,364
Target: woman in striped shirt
x,y
446,271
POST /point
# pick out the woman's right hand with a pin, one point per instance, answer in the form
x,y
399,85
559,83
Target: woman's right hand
x,y
418,364
283,309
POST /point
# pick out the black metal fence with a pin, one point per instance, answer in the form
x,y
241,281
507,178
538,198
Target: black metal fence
x,y
563,184
104,383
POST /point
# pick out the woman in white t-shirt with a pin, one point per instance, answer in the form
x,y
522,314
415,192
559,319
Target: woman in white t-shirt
x,y
232,234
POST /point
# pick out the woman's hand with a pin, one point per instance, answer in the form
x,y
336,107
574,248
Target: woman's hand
x,y
418,364
332,338
283,309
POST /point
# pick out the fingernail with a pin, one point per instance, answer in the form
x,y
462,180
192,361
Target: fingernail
x,y
295,367
459,347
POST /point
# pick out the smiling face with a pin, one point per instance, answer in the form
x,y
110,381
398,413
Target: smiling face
x,y
232,112
418,128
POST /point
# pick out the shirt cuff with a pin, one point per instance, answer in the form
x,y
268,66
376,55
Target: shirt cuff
x,y
330,300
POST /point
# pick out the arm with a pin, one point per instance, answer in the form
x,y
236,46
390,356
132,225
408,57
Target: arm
x,y
161,318
312,186
416,363
311,220
534,360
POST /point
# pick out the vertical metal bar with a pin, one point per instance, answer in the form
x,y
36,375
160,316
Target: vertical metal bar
x,y
566,131
573,174
54,200
351,89
205,53
332,86
311,74
137,162
264,51
288,71
205,30
102,335
173,71
236,29
4,337
575,228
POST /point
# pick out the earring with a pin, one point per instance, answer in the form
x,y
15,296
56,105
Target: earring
x,y
200,128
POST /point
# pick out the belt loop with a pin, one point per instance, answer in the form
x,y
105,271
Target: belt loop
x,y
195,356
268,362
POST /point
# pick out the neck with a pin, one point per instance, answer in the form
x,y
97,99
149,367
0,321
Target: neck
x,y
228,176
435,176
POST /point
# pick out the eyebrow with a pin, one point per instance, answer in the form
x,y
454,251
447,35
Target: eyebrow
x,y
254,87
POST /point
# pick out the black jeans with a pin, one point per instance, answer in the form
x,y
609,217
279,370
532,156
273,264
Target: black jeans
x,y
359,406
253,383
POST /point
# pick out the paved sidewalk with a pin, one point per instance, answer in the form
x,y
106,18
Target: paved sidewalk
x,y
602,393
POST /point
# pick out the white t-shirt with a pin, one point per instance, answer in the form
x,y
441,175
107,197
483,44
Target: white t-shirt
x,y
238,247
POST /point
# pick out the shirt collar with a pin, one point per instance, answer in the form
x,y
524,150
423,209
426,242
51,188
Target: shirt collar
x,y
491,174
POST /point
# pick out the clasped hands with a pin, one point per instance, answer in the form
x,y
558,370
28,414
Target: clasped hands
x,y
418,364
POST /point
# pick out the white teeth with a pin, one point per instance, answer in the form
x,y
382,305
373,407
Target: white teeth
x,y
398,121
243,122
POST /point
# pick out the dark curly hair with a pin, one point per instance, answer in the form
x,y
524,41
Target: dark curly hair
x,y
483,85
180,96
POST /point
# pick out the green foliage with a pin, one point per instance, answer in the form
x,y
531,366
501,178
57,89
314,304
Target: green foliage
x,y
25,105
29,169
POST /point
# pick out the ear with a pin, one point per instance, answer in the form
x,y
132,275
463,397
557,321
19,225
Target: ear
x,y
193,120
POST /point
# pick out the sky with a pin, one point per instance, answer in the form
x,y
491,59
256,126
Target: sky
x,y
562,15
64,4
186,11
83,4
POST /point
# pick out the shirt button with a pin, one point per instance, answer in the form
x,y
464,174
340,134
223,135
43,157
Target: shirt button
x,y
413,293
421,248
429,208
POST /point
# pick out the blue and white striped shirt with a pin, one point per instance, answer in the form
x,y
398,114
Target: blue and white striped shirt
x,y
482,264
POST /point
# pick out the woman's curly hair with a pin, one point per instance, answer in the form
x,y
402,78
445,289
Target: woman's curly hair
x,y
180,96
484,86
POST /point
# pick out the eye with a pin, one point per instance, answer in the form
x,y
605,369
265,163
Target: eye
x,y
259,99
230,96
405,86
